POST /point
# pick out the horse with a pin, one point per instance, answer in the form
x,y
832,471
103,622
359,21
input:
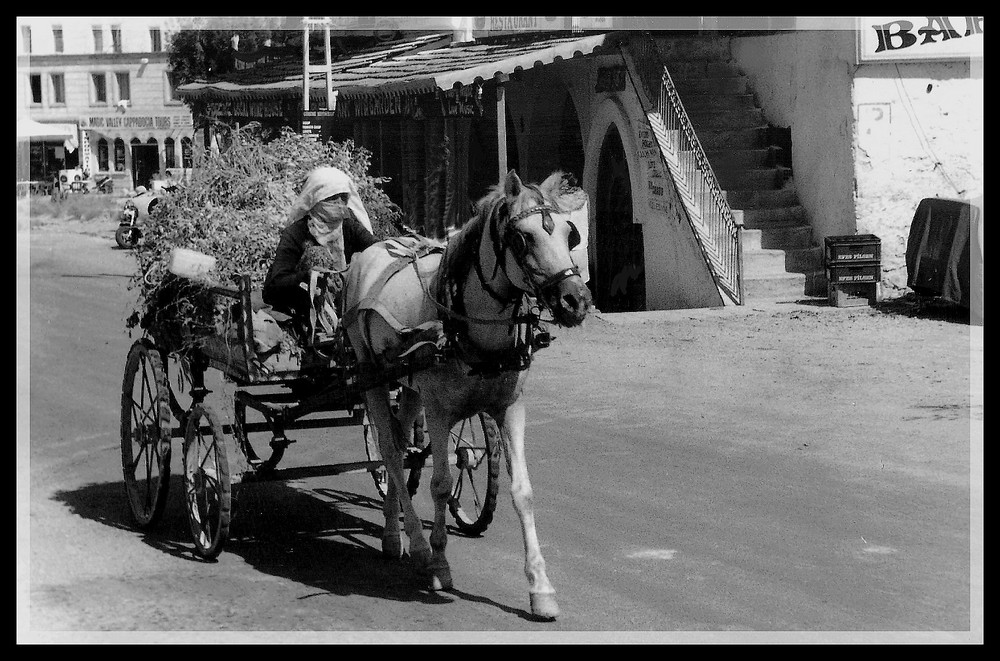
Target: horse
x,y
516,247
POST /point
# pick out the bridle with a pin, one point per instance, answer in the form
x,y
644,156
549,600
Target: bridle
x,y
514,240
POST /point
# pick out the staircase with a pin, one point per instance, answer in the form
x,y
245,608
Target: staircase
x,y
751,161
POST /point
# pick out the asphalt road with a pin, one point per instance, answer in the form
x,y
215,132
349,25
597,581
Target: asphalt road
x,y
782,473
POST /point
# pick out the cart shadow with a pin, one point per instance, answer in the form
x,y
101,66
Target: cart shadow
x,y
288,533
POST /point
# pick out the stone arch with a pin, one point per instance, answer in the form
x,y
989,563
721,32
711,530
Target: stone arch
x,y
627,279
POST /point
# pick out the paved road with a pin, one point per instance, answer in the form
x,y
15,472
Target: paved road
x,y
789,473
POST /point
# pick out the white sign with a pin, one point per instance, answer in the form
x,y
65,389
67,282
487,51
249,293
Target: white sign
x,y
907,38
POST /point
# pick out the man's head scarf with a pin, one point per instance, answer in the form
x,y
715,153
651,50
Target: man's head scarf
x,y
325,182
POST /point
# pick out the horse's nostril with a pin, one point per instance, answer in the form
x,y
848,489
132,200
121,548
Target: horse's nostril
x,y
571,302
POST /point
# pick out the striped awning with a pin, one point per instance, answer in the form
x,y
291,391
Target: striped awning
x,y
409,68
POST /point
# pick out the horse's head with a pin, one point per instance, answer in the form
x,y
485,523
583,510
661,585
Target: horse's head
x,y
533,236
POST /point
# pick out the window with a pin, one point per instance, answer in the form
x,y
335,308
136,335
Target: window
x,y
172,82
58,88
98,39
36,87
119,155
169,160
57,37
116,38
100,87
187,154
124,90
26,37
155,42
102,155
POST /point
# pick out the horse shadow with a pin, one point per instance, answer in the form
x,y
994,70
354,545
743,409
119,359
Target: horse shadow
x,y
288,533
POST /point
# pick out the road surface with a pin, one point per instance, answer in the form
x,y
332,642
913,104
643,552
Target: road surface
x,y
781,472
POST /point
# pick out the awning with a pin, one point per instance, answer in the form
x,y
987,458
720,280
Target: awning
x,y
408,71
30,129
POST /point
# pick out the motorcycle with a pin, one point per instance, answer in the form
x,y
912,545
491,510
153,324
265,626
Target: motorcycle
x,y
104,185
128,234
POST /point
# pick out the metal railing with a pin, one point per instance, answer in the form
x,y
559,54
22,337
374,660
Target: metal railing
x,y
717,229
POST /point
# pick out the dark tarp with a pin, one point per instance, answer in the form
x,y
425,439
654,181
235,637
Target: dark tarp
x,y
938,249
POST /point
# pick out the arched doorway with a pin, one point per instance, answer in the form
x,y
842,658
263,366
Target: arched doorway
x,y
619,282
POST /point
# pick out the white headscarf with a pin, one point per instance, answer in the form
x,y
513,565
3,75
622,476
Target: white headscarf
x,y
322,183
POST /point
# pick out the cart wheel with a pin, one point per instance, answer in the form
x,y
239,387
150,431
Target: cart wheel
x,y
206,481
145,434
475,474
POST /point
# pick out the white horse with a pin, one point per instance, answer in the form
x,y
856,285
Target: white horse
x,y
516,246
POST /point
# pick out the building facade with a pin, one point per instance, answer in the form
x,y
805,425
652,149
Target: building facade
x,y
107,78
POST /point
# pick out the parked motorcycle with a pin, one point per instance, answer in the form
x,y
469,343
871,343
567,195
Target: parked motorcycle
x,y
104,185
128,233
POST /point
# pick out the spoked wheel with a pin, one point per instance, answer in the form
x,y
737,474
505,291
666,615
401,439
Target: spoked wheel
x,y
475,471
145,434
206,481
127,237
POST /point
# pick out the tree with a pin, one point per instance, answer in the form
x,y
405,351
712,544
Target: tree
x,y
208,54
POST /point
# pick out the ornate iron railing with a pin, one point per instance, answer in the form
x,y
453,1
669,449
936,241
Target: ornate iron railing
x,y
717,229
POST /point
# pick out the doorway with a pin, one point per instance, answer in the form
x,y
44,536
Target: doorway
x,y
619,280
145,163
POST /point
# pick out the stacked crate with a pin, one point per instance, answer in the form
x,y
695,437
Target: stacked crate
x,y
853,269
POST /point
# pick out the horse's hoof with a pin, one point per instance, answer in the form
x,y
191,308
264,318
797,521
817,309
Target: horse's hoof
x,y
544,606
421,561
440,576
392,548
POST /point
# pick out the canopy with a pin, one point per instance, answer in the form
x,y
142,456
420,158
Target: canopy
x,y
412,68
30,129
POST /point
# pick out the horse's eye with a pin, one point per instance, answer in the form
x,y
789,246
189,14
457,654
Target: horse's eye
x,y
574,236
518,243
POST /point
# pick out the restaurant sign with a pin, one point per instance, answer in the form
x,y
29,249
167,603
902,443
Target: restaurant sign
x,y
908,38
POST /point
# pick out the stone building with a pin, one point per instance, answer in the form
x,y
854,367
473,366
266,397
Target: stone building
x,y
103,85
717,160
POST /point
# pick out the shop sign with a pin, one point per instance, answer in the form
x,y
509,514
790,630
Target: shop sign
x,y
165,122
909,38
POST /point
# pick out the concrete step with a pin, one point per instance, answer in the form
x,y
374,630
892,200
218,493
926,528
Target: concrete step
x,y
783,287
721,119
749,200
719,86
714,139
780,286
777,238
748,179
724,159
694,103
791,260
770,217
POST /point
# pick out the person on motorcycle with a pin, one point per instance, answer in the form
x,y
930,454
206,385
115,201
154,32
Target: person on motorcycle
x,y
327,225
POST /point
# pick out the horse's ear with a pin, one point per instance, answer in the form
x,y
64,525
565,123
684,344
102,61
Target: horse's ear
x,y
512,184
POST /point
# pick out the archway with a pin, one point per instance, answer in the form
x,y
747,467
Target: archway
x,y
619,283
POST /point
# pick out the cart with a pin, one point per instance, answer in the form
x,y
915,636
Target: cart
x,y
323,394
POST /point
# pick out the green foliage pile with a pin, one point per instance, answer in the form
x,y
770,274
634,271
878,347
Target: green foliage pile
x,y
233,208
